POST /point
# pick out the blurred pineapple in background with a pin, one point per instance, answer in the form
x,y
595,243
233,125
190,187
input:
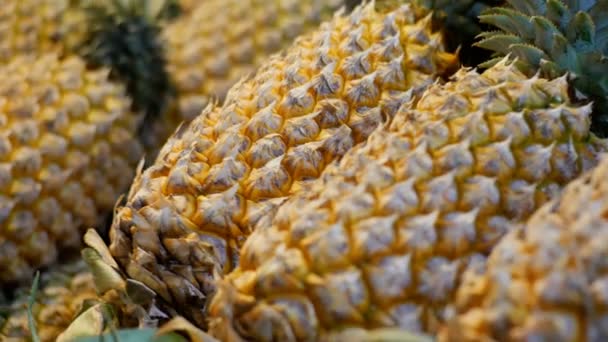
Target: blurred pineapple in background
x,y
86,80
221,41
67,150
39,26
210,44
548,279
69,146
61,295
35,26
218,42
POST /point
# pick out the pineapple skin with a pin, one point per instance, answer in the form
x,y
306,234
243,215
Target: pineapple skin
x,y
67,150
547,280
61,296
206,60
381,239
187,215
31,27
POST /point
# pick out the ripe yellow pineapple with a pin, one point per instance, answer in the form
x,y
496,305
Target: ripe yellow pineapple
x,y
69,134
204,61
67,150
60,297
187,215
548,279
382,237
39,26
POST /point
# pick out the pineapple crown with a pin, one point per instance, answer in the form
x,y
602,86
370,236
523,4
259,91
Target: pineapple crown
x,y
123,35
460,24
458,21
555,38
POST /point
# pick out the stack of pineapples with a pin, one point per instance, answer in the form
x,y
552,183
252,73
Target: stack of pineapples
x,y
304,170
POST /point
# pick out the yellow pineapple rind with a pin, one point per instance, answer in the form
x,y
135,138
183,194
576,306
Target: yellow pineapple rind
x,y
380,240
188,214
34,27
67,149
548,279
206,60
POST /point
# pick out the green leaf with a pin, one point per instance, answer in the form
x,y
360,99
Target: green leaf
x,y
569,60
490,63
545,31
585,5
558,14
487,34
573,5
134,335
510,21
601,38
30,304
550,69
528,53
559,48
499,43
529,7
600,19
581,29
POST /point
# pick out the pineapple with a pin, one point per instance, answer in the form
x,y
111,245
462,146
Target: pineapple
x,y
37,26
67,150
40,26
69,124
547,280
206,60
187,215
61,297
382,237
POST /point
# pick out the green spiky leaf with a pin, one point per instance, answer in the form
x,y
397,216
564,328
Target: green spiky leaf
x,y
560,49
529,7
528,53
545,32
491,62
569,36
581,32
134,335
549,68
510,21
30,305
499,42
558,14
